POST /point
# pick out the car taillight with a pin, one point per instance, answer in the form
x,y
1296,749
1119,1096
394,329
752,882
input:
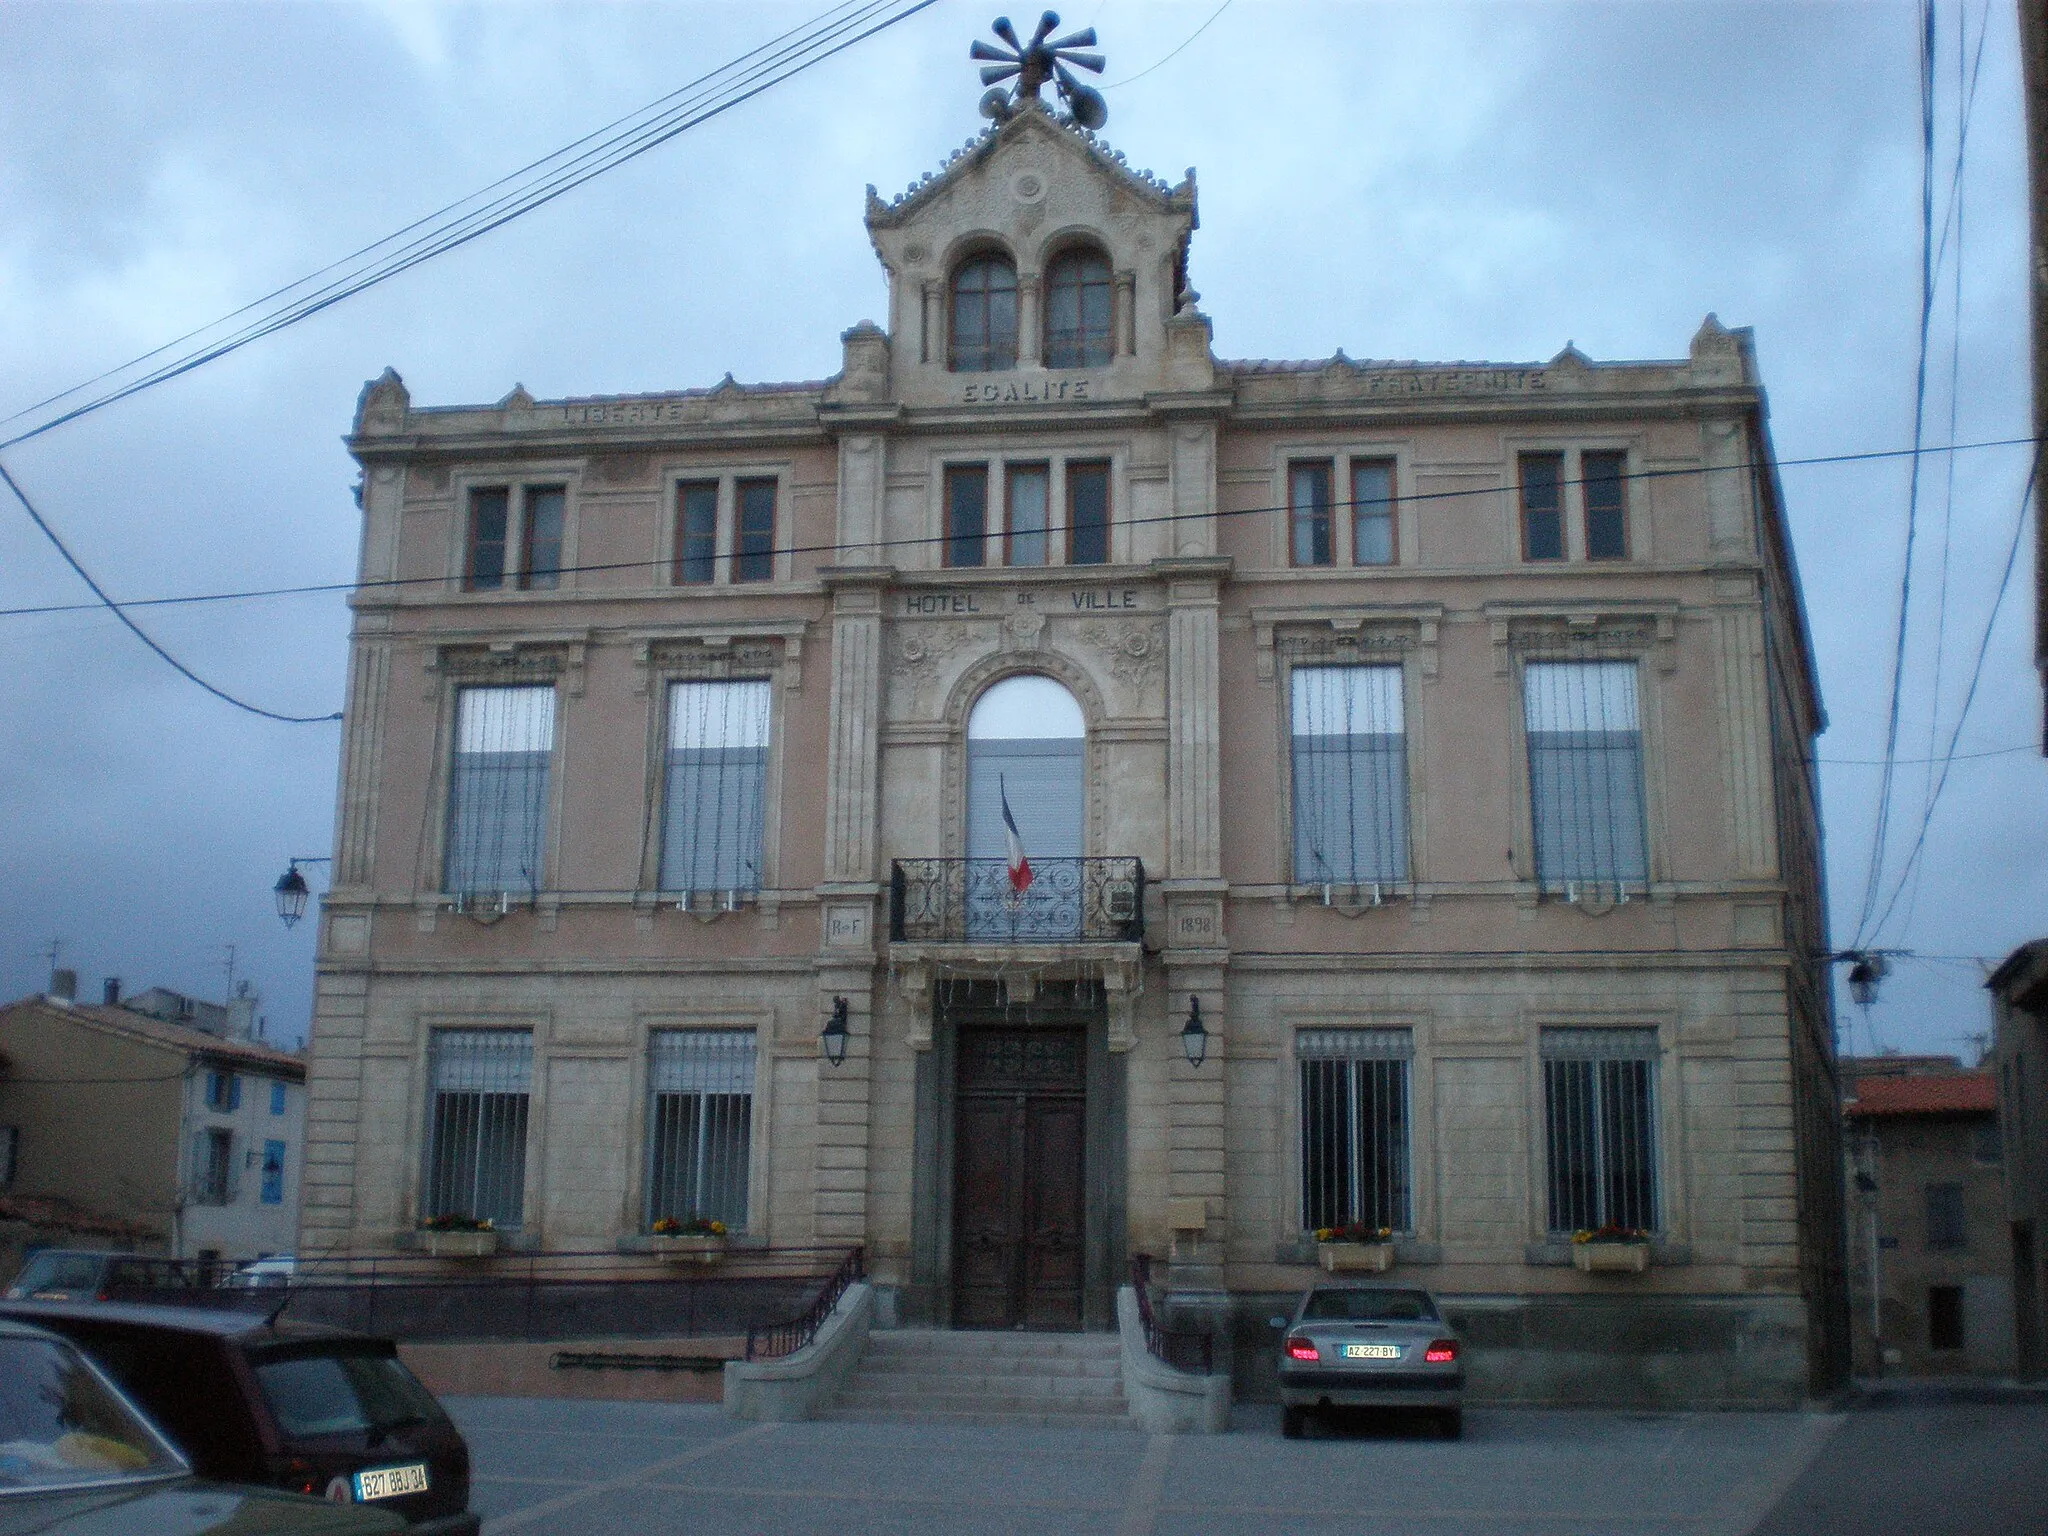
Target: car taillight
x,y
1302,1349
1442,1352
299,1477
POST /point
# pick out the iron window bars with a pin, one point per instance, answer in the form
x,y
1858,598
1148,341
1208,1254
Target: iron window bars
x,y
1600,1128
700,1106
1350,779
498,789
954,901
1585,776
482,1080
1355,1159
715,795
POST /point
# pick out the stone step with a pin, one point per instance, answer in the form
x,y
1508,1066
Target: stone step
x,y
980,1419
864,1399
951,1383
906,1362
929,1376
1037,1345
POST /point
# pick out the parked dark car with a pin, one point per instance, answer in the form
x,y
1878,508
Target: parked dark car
x,y
77,1458
309,1409
79,1274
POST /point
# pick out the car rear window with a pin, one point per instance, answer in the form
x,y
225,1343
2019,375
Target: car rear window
x,y
1370,1307
62,1425
57,1271
340,1394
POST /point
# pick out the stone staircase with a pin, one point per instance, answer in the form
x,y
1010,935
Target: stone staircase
x,y
1033,1379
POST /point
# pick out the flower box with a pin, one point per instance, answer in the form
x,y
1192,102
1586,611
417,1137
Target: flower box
x,y
1611,1258
1356,1258
459,1244
688,1248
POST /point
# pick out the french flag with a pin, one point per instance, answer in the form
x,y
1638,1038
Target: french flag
x,y
1020,866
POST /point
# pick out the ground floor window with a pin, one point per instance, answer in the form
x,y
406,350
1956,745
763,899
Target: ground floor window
x,y
476,1125
1354,1128
1944,1317
700,1110
1600,1123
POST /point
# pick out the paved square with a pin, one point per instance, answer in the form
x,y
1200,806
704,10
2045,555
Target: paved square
x,y
571,1468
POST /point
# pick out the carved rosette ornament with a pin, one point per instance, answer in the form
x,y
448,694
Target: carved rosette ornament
x,y
1133,652
918,653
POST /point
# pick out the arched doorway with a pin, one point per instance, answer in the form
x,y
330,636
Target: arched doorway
x,y
1026,746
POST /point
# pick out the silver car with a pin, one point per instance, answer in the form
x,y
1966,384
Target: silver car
x,y
1370,1346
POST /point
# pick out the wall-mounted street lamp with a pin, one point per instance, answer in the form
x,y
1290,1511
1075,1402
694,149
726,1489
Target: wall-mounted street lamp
x,y
1864,976
292,891
1194,1037
836,1033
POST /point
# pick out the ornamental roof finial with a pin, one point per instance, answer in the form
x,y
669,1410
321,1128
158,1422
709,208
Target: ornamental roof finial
x,y
1036,62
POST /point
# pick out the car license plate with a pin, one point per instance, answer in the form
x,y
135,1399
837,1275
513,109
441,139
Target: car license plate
x,y
391,1482
1372,1351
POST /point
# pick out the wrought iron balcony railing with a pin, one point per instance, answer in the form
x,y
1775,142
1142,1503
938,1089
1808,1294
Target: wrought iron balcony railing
x,y
968,901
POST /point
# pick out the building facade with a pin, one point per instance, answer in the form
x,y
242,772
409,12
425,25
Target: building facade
x,y
1931,1260
1410,762
2019,1060
175,1138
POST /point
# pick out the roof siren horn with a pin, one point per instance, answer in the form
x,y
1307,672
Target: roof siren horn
x,y
1037,62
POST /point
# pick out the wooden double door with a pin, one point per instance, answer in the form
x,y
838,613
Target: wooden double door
x,y
1018,1191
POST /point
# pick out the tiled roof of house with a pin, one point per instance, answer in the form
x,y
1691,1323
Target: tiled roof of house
x,y
1945,1093
196,1042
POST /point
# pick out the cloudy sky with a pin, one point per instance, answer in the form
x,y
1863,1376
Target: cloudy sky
x,y
1436,182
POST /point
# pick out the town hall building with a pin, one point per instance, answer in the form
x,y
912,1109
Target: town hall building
x,y
1233,801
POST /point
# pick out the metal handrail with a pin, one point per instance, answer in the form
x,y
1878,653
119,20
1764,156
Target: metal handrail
x,y
1180,1349
955,901
777,1339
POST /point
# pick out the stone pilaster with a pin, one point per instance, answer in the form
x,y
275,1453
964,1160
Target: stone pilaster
x,y
852,783
839,1186
1030,333
362,751
334,1078
1745,741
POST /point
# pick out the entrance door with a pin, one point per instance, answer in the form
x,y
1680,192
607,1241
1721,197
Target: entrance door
x,y
1017,1190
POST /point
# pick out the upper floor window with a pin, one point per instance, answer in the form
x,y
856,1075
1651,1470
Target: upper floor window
x,y
1542,506
1350,752
277,1098
1606,506
753,552
1029,487
1585,773
717,784
966,540
498,788
696,532
223,1092
273,1173
1087,514
1079,307
515,533
1311,538
1947,1227
1373,538
984,329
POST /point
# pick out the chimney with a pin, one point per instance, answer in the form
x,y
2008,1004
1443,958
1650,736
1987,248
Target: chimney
x,y
64,985
241,1014
110,991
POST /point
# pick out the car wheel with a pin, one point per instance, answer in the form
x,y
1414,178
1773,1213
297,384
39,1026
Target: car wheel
x,y
1452,1422
1291,1422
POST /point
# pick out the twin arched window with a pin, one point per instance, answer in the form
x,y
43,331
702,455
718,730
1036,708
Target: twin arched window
x,y
1079,311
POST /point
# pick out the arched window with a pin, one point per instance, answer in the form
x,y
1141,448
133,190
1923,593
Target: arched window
x,y
1025,744
1078,310
984,329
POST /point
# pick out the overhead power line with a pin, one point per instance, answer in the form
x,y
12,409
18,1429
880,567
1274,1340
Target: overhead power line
x,y
314,589
836,30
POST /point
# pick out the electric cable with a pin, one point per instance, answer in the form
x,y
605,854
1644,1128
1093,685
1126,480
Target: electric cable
x,y
312,589
1169,58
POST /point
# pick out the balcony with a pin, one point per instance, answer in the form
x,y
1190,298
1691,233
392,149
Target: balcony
x,y
970,901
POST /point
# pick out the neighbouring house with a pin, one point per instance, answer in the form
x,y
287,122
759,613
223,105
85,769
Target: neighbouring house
x,y
132,1130
1207,802
2019,1059
1927,1223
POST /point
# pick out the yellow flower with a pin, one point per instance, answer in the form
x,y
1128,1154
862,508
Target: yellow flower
x,y
718,1229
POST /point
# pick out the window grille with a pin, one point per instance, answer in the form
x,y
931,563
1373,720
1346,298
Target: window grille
x,y
700,1107
717,780
984,330
1946,1228
1350,751
1372,512
1600,1124
1308,500
498,789
476,1128
1087,514
1354,1128
1585,774
1079,303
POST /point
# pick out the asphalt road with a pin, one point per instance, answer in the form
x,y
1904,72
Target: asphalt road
x,y
1914,1468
